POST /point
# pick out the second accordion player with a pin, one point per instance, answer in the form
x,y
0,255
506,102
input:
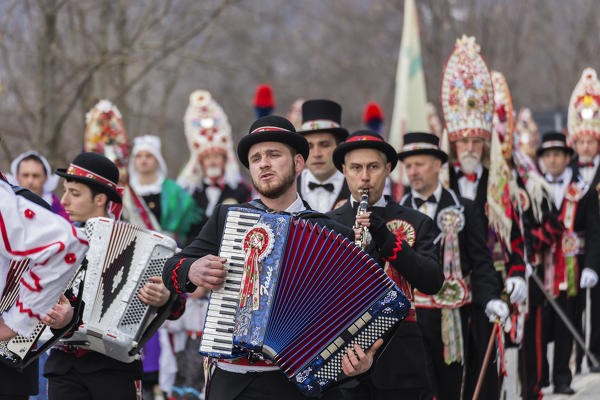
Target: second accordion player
x,y
297,294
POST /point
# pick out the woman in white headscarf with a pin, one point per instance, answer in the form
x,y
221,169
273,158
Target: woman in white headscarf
x,y
32,171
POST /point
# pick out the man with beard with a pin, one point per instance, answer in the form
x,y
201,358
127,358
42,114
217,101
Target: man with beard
x,y
321,185
574,262
584,132
467,99
211,174
402,243
274,154
470,276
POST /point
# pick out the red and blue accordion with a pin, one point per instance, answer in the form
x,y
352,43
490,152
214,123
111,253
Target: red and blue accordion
x,y
297,294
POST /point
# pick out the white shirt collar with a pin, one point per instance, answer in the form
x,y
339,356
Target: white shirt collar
x,y
437,193
296,206
337,178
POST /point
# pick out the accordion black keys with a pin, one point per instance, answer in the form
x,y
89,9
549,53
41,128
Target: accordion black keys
x,y
299,295
121,259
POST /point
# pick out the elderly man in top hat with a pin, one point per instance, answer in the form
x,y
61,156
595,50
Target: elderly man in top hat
x,y
274,154
574,264
470,285
75,373
401,241
321,185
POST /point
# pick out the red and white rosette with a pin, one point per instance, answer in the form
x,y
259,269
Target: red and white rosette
x,y
467,96
258,243
584,107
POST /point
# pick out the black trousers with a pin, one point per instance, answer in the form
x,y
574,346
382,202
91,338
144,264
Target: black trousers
x,y
479,336
555,329
225,385
446,379
98,385
595,312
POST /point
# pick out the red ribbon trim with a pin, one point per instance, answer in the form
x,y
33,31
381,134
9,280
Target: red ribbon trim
x,y
27,311
175,275
363,137
36,282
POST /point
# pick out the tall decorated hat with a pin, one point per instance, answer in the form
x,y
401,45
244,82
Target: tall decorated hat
x,y
467,96
528,135
584,107
504,115
105,133
207,130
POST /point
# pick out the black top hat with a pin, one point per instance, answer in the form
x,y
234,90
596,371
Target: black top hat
x,y
322,116
554,140
364,139
94,170
422,143
271,128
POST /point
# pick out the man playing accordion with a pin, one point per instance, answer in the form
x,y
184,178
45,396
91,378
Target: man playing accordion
x,y
275,155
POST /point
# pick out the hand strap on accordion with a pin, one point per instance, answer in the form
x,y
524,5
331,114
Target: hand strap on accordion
x,y
57,334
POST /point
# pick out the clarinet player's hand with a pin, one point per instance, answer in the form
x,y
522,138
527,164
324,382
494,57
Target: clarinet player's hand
x,y
363,220
357,361
208,272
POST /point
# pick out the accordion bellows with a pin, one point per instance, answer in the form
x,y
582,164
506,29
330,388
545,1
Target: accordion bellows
x,y
299,295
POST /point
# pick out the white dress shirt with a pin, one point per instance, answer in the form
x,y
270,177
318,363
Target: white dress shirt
x,y
588,173
427,208
467,188
559,189
320,199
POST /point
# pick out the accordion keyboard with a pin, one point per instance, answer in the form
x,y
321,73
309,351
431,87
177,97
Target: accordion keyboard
x,y
217,337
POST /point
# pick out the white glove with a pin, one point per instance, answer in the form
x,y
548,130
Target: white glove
x,y
589,278
517,288
528,270
496,310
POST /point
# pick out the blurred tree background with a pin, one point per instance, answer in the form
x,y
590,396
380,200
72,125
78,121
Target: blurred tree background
x,y
58,57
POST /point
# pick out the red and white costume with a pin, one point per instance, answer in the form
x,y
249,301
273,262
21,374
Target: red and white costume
x,y
54,247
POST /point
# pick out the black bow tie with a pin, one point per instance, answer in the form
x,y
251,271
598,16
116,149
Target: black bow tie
x,y
556,181
326,186
419,202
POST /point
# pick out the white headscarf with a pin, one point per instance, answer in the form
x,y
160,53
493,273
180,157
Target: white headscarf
x,y
51,178
152,144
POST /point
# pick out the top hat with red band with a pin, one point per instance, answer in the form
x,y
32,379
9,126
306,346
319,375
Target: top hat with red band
x,y
416,143
554,141
364,139
322,116
96,171
271,128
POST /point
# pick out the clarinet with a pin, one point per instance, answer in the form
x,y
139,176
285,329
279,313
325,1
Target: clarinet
x,y
362,208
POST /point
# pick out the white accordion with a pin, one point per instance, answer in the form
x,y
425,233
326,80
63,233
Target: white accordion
x,y
121,258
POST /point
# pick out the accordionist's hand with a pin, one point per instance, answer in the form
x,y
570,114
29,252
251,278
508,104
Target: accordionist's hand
x,y
154,293
358,362
60,314
208,272
5,332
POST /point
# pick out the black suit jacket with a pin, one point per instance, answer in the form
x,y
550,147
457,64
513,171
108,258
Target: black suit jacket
x,y
515,263
587,222
401,364
475,258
